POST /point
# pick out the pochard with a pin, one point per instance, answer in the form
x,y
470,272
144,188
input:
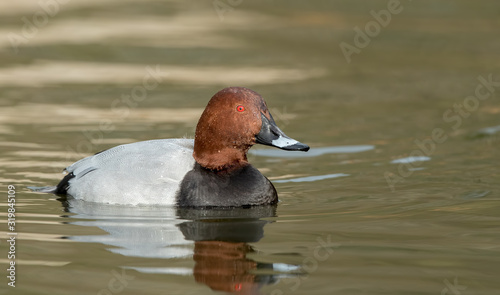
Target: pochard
x,y
210,171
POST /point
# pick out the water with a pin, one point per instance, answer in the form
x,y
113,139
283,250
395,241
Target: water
x,y
398,194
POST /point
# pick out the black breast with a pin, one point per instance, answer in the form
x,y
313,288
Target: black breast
x,y
243,187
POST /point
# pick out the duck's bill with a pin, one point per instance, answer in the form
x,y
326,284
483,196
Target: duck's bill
x,y
271,135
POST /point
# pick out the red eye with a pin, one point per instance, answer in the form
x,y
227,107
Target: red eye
x,y
240,108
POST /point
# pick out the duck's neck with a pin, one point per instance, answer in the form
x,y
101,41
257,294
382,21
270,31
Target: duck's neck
x,y
220,158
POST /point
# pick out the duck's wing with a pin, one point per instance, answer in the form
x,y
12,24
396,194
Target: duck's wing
x,y
147,172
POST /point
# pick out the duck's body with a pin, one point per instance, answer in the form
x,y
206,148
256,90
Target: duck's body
x,y
211,170
162,172
146,172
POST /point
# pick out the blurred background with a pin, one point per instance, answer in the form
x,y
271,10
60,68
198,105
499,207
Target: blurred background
x,y
399,101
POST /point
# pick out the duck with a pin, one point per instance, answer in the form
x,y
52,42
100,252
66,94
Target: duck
x,y
211,170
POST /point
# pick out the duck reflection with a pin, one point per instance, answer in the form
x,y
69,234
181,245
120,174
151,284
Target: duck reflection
x,y
221,240
221,247
223,266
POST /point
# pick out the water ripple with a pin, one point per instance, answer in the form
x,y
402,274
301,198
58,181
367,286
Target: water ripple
x,y
313,152
312,178
410,160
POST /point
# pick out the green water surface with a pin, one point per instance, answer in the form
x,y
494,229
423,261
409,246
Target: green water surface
x,y
399,193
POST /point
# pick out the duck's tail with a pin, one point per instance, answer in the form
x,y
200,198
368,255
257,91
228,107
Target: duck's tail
x,y
60,189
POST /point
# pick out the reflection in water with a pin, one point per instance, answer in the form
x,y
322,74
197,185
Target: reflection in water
x,y
132,231
220,251
220,237
223,266
311,178
314,152
55,73
410,160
